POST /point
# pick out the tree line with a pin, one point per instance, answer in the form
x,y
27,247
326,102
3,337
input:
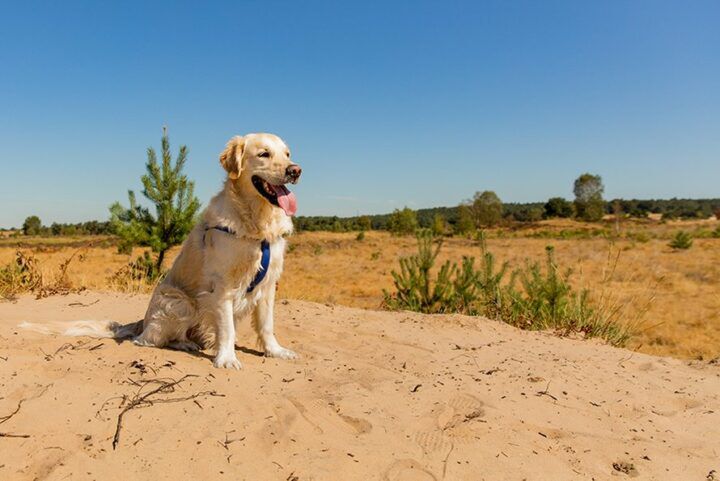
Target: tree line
x,y
33,226
176,209
486,209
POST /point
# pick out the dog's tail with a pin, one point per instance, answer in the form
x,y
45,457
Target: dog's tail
x,y
96,329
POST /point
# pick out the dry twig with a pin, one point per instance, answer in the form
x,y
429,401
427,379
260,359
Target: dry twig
x,y
144,400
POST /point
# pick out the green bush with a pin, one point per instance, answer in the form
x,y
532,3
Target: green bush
x,y
414,289
360,236
532,297
403,222
681,241
558,207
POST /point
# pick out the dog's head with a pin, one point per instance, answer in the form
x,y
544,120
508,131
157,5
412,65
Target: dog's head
x,y
263,162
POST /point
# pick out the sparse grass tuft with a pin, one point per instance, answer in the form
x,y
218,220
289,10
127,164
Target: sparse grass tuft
x,y
546,300
136,276
20,275
23,275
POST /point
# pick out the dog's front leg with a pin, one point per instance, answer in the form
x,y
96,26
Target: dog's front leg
x,y
264,326
225,356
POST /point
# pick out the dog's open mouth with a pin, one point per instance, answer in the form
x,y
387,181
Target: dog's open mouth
x,y
277,195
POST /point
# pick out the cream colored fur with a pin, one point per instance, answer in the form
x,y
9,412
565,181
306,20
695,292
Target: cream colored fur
x,y
205,291
205,294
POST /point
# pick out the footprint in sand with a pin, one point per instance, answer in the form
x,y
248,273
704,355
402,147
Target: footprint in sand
x,y
323,417
454,422
408,470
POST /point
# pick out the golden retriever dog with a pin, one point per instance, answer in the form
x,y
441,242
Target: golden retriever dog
x,y
230,263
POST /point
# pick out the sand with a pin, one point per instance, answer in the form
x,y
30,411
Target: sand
x,y
376,395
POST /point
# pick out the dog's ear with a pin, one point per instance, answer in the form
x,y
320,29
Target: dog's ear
x,y
231,157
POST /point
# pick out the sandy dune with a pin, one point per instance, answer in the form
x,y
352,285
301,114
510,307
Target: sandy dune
x,y
376,395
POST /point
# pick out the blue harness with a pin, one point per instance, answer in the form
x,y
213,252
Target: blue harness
x,y
264,261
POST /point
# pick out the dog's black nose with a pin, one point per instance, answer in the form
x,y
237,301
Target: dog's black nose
x,y
293,171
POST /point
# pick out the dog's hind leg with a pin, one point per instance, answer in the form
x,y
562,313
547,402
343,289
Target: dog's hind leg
x,y
263,322
167,320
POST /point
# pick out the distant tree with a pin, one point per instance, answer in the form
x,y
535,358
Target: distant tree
x,y
403,222
465,223
337,226
56,228
486,208
32,225
364,223
528,214
439,226
175,205
589,203
558,207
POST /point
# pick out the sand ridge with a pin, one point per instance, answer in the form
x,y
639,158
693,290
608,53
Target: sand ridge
x,y
376,395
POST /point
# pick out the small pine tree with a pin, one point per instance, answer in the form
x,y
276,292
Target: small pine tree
x,y
175,206
681,241
415,290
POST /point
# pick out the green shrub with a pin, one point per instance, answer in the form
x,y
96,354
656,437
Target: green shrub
x,y
414,289
533,297
559,207
360,236
439,226
639,236
681,241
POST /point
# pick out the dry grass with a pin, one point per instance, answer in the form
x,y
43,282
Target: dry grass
x,y
675,293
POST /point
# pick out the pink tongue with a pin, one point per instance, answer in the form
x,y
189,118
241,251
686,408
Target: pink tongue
x,y
285,198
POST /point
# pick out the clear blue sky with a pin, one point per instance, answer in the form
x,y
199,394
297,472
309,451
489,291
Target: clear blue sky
x,y
384,104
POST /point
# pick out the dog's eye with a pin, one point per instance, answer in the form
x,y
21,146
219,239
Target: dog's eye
x,y
264,153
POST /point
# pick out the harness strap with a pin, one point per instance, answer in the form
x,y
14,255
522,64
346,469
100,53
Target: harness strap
x,y
264,264
264,260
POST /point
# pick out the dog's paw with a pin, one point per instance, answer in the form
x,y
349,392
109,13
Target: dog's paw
x,y
281,353
227,361
141,341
